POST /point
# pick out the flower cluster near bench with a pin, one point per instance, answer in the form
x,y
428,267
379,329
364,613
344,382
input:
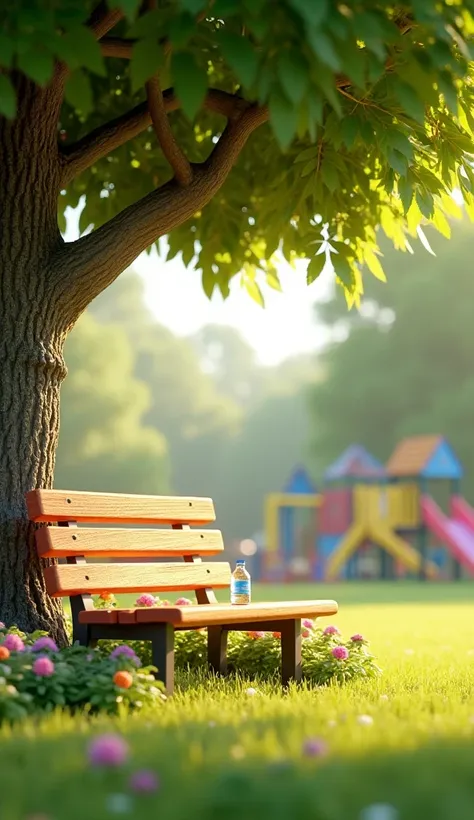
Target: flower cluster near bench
x,y
37,676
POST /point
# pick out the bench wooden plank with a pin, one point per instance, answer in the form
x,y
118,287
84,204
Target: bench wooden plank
x,y
96,578
61,542
117,508
193,617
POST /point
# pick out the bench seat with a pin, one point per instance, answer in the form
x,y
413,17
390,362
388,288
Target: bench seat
x,y
199,616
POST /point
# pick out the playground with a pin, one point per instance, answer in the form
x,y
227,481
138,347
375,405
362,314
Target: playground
x,y
405,519
403,741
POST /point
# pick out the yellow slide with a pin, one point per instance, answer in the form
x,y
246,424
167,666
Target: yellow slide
x,y
379,533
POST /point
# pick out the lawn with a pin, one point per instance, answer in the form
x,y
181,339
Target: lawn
x,y
406,740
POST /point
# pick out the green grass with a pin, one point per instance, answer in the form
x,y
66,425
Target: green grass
x,y
222,755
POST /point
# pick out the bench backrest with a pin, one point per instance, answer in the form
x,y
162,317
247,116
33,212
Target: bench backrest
x,y
79,577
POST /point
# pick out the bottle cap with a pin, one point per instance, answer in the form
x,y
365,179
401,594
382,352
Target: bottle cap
x,y
240,561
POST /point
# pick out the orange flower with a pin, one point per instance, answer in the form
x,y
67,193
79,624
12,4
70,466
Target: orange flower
x,y
277,634
4,653
123,679
107,596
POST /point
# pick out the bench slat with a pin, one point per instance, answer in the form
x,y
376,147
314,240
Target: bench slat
x,y
62,542
193,617
96,578
96,508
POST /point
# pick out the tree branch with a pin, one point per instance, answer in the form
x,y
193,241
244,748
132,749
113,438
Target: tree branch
x,y
117,47
80,155
159,117
90,264
103,20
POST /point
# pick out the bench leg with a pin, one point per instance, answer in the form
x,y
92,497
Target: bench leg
x,y
291,652
162,654
217,649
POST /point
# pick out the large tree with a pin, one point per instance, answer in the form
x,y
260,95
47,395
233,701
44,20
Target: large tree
x,y
363,117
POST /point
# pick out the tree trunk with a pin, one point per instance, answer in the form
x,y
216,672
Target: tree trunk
x,y
32,335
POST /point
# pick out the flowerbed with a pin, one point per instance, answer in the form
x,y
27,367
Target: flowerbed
x,y
36,676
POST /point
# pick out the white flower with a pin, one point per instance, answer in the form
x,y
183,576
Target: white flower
x,y
379,811
119,804
383,697
365,720
409,651
251,692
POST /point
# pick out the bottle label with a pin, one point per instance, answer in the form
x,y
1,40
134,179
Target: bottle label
x,y
240,587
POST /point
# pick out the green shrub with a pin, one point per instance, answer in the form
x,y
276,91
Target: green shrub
x,y
37,677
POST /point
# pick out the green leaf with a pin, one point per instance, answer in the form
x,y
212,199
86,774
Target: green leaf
x,y
272,280
180,29
79,49
399,140
293,74
324,50
190,82
311,12
448,90
308,153
129,7
240,56
38,65
7,98
283,118
405,190
208,282
78,92
330,175
397,161
343,271
309,167
315,268
425,202
254,291
225,8
373,264
350,130
194,6
7,50
410,101
147,59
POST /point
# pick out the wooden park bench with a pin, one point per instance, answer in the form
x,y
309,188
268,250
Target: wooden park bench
x,y
79,579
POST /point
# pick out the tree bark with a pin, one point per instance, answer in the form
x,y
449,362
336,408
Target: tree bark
x,y
31,350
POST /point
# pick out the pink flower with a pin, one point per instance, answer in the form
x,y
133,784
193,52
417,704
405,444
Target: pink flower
x,y
308,623
331,630
107,750
14,643
44,643
256,635
2,625
183,602
144,782
125,651
146,600
357,638
314,747
340,653
43,667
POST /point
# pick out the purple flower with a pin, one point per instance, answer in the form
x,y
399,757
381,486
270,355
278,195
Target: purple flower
x,y
108,750
146,600
144,782
43,667
14,643
308,623
340,653
331,630
314,747
124,651
357,638
183,602
44,643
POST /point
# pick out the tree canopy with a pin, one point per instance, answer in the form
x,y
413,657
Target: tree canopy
x,y
362,114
